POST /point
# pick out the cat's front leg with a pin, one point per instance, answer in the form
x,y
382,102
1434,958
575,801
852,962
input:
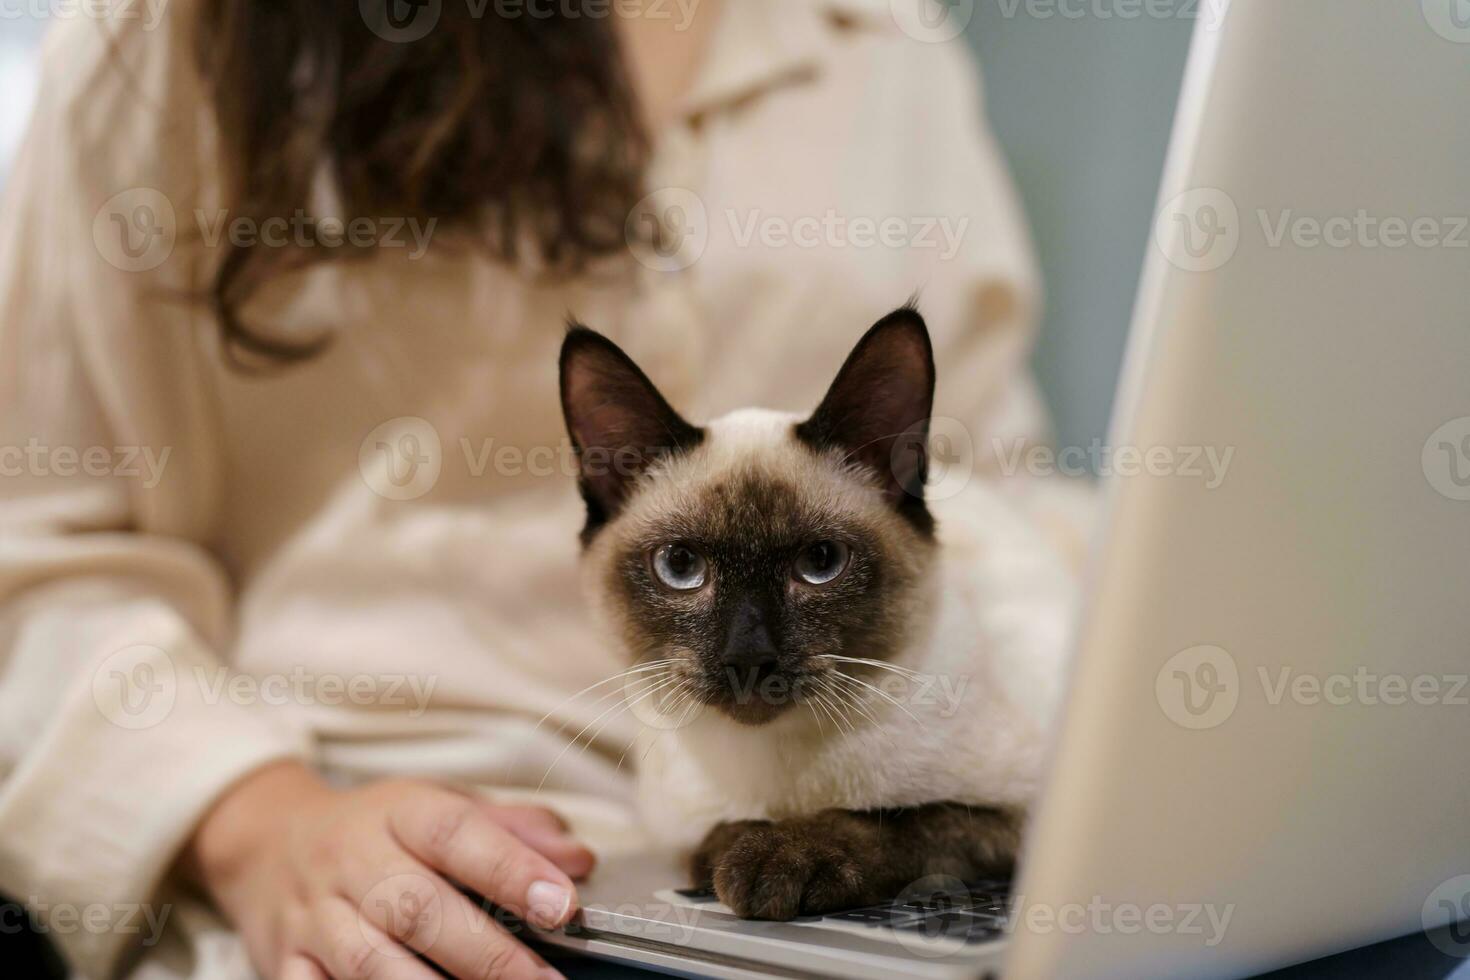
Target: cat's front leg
x,y
840,859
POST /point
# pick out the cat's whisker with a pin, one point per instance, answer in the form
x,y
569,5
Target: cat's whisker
x,y
631,742
810,695
693,705
845,706
678,690
849,700
845,717
616,711
687,691
878,664
821,729
608,696
658,687
908,672
882,694
842,693
624,675
686,699
651,742
847,697
620,675
834,707
668,699
821,701
904,672
677,698
619,708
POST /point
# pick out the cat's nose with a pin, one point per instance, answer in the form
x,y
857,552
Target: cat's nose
x,y
748,643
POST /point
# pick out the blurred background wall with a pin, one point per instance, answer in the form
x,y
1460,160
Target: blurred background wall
x,y
20,33
1082,100
1081,93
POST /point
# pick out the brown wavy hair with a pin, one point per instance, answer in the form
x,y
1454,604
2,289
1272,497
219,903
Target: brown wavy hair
x,y
523,129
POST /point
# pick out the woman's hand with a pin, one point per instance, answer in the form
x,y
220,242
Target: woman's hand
x,y
362,883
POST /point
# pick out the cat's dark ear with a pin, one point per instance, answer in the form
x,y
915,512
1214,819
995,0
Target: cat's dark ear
x,y
877,411
618,422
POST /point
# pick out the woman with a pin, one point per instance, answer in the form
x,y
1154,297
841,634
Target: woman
x,y
289,541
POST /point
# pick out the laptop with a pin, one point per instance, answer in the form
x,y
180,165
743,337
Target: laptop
x,y
1262,758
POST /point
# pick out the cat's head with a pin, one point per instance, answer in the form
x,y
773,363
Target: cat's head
x,y
756,551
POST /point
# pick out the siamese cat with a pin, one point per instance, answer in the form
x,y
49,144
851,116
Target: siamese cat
x,y
853,686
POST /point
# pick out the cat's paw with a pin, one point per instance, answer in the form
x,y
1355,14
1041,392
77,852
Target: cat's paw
x,y
711,851
838,859
782,870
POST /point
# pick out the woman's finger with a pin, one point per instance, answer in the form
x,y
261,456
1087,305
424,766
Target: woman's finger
x,y
516,817
452,835
545,831
301,967
565,852
417,909
351,948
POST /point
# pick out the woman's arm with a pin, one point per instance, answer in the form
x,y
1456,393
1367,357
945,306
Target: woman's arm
x,y
113,739
121,748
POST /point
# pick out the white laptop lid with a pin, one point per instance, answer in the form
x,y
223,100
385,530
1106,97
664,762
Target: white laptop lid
x,y
1264,754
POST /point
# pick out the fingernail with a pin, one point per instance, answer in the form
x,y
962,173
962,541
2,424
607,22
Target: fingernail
x,y
550,974
547,904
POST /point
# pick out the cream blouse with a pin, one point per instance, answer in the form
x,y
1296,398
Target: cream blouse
x,y
369,561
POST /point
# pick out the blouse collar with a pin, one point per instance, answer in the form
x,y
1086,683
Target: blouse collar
x,y
761,45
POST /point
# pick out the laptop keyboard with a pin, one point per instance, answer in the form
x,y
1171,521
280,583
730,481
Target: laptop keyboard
x,y
975,914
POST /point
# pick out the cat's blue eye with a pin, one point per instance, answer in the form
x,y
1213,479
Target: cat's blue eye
x,y
680,567
821,562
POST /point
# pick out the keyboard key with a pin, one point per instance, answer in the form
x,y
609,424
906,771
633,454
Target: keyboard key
x,y
872,916
954,925
935,903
